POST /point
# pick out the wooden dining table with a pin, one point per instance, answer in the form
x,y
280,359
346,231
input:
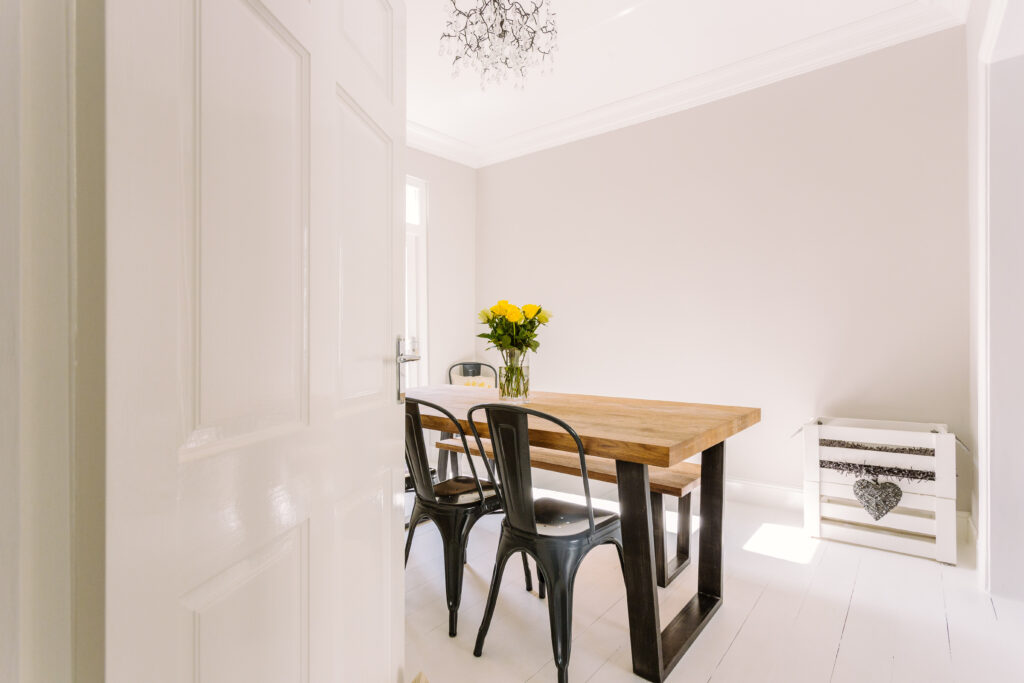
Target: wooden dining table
x,y
636,434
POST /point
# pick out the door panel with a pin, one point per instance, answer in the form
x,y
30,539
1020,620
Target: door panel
x,y
255,503
265,597
367,28
370,36
252,223
365,203
357,613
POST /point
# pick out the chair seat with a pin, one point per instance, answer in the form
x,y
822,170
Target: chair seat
x,y
462,490
560,518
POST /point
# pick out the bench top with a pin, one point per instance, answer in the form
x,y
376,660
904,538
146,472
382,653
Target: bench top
x,y
673,481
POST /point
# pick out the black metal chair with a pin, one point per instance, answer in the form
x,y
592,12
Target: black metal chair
x,y
556,533
471,369
467,369
453,505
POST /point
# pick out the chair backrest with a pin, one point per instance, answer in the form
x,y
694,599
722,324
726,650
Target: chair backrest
x,y
508,426
471,369
416,449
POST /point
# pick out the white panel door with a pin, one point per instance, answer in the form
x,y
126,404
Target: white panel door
x,y
254,245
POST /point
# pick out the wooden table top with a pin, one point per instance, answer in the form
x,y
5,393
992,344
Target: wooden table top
x,y
659,433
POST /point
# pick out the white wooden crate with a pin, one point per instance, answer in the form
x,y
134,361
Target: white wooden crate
x,y
924,522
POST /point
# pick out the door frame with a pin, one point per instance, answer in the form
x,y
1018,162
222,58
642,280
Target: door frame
x,y
52,332
10,337
1000,37
986,19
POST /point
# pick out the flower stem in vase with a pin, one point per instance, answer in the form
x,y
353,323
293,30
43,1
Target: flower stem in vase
x,y
514,376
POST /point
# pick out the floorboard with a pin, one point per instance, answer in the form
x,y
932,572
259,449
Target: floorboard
x,y
795,610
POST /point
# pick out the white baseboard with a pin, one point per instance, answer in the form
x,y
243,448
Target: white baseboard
x,y
759,493
768,495
790,498
965,526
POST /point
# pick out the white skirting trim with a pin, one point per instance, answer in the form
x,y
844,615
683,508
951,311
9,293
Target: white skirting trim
x,y
736,490
759,493
773,495
965,526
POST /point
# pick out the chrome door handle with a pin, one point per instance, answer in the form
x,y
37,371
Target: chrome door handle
x,y
400,359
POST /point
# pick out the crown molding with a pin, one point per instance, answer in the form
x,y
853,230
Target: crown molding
x,y
913,20
439,144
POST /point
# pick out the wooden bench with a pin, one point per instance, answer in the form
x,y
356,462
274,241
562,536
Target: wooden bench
x,y
678,481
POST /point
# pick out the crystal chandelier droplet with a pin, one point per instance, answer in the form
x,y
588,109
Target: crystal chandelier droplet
x,y
500,39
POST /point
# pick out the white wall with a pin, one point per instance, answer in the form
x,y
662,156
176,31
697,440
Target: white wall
x,y
1006,294
451,252
801,247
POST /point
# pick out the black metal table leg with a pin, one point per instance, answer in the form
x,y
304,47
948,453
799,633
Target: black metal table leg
x,y
712,490
668,568
691,620
655,651
683,532
638,555
443,456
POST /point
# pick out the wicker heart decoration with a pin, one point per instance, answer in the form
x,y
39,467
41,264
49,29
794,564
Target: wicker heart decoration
x,y
877,499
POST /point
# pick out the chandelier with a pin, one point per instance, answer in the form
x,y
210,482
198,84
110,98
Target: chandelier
x,y
500,39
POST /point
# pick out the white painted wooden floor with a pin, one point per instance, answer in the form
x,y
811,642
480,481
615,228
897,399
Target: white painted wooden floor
x,y
818,611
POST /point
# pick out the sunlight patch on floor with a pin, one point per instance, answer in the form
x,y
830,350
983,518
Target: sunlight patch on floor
x,y
790,543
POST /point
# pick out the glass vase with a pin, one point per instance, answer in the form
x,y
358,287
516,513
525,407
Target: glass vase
x,y
514,376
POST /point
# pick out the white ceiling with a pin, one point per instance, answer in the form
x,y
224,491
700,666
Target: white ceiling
x,y
621,62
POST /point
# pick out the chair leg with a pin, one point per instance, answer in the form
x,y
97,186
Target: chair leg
x,y
454,534
414,520
492,595
453,570
560,613
622,560
526,571
466,527
542,590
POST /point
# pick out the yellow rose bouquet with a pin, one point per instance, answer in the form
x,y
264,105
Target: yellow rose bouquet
x,y
513,331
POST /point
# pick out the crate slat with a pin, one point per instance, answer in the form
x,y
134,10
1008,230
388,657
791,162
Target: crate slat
x,y
878,436
878,538
924,463
812,513
945,466
945,539
899,519
913,501
875,425
926,488
811,437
